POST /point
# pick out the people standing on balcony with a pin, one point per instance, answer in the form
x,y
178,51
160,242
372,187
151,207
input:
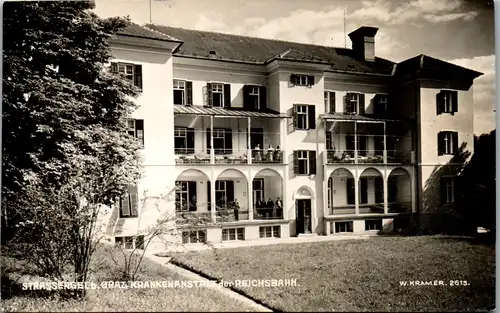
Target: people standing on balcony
x,y
279,207
270,153
277,154
258,156
236,207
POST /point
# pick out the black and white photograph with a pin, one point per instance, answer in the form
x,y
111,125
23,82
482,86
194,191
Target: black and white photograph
x,y
248,155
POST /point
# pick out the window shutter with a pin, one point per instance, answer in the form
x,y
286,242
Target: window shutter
x,y
246,97
139,130
192,196
442,189
293,79
361,104
189,93
312,162
210,98
125,205
208,139
227,95
229,191
454,102
310,80
311,114
441,142
454,138
209,196
296,162
332,101
134,199
228,141
114,67
295,116
190,140
138,76
263,98
439,103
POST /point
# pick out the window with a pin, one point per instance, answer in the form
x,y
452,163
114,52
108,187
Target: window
x,y
354,103
380,105
302,80
330,192
130,242
329,102
304,117
220,194
269,232
223,140
229,234
218,95
135,128
183,92
128,202
447,142
363,190
304,162
258,189
131,72
254,97
447,189
343,227
185,196
329,141
447,101
373,225
184,140
197,236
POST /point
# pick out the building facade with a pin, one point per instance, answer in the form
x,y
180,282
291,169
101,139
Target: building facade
x,y
253,138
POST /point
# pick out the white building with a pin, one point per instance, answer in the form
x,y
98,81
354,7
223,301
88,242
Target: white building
x,y
348,142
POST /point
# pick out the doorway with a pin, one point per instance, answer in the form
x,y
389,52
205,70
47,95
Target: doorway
x,y
303,216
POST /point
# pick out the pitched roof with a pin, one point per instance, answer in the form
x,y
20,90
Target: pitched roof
x,y
198,44
234,112
427,66
134,30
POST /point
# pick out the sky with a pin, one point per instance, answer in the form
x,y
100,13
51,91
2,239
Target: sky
x,y
458,31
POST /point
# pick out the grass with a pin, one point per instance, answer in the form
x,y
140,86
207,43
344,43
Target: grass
x,y
111,300
360,275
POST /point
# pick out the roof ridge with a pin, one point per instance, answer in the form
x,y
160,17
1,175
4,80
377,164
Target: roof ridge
x,y
158,32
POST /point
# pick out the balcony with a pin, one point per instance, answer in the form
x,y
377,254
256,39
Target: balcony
x,y
234,199
341,192
368,157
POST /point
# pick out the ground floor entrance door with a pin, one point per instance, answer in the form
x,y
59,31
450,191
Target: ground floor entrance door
x,y
303,216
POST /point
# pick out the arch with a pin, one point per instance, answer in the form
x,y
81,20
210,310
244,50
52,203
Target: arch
x,y
399,191
341,173
268,172
190,174
303,192
399,171
371,172
231,173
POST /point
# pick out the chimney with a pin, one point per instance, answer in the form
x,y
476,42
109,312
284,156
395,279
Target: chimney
x,y
363,42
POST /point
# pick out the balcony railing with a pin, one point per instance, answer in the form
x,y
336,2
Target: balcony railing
x,y
229,156
341,210
368,157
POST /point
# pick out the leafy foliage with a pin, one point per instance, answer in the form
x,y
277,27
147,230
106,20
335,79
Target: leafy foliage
x,y
66,154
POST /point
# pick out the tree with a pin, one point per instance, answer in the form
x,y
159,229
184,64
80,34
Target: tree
x,y
66,153
477,182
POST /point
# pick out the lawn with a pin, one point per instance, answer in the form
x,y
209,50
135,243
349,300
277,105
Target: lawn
x,y
360,275
115,300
